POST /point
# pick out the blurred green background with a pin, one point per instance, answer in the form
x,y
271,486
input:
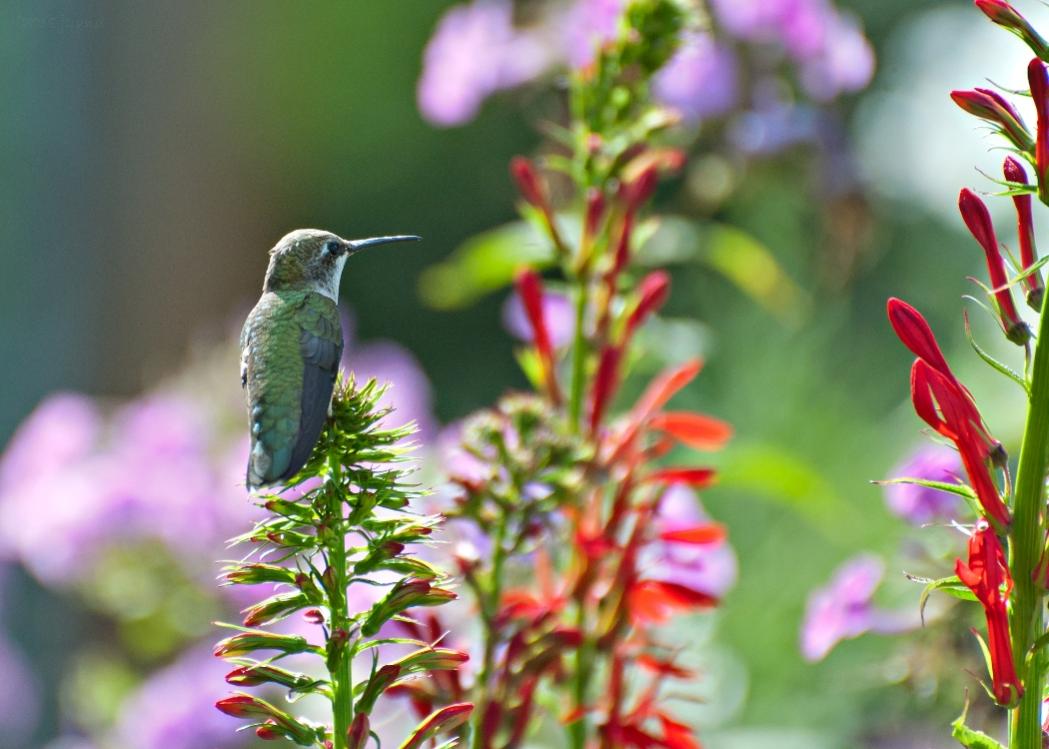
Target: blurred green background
x,y
152,153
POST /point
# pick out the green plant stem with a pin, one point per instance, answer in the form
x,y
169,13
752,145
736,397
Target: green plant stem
x,y
342,677
1026,540
577,730
492,597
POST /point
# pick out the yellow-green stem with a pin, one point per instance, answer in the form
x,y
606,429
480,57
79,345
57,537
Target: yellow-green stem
x,y
342,676
1026,540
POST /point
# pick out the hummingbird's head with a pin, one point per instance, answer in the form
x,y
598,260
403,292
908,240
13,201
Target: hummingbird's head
x,y
313,259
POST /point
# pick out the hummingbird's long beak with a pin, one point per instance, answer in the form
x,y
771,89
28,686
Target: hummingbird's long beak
x,y
356,245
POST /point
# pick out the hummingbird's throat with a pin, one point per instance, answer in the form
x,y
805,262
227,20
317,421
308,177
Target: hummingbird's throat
x,y
329,287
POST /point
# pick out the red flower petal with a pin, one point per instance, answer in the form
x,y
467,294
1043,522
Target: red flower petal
x,y
698,431
708,533
697,478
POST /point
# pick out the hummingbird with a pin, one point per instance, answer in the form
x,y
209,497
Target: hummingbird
x,y
290,348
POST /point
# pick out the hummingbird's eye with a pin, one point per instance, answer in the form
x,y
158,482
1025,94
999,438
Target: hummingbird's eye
x,y
331,247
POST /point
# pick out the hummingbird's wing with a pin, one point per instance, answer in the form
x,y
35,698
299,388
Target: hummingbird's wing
x,y
320,342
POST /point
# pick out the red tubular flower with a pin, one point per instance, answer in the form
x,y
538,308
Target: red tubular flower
x,y
1038,80
654,290
530,289
637,192
595,210
528,182
698,431
976,217
1006,16
991,106
357,735
929,389
446,719
606,381
987,576
697,478
1014,172
915,333
653,601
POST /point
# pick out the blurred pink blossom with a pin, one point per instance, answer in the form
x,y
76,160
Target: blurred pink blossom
x,y
474,52
843,609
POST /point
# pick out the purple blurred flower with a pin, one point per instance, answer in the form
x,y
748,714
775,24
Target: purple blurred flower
x,y
844,64
557,309
152,478
843,609
62,429
409,389
710,568
587,25
175,707
474,52
830,47
701,80
920,504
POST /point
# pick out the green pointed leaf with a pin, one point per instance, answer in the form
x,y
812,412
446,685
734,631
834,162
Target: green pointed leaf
x,y
999,366
952,586
483,264
967,737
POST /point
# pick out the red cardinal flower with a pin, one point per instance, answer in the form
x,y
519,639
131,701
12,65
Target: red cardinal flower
x,y
991,106
530,290
954,420
653,292
987,576
976,217
1006,16
1038,80
1014,172
606,381
528,182
915,333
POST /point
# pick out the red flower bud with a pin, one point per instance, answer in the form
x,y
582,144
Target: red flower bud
x,y
976,217
654,290
445,719
268,732
991,106
1014,172
357,735
595,211
528,182
1038,80
530,290
606,382
637,192
1005,15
